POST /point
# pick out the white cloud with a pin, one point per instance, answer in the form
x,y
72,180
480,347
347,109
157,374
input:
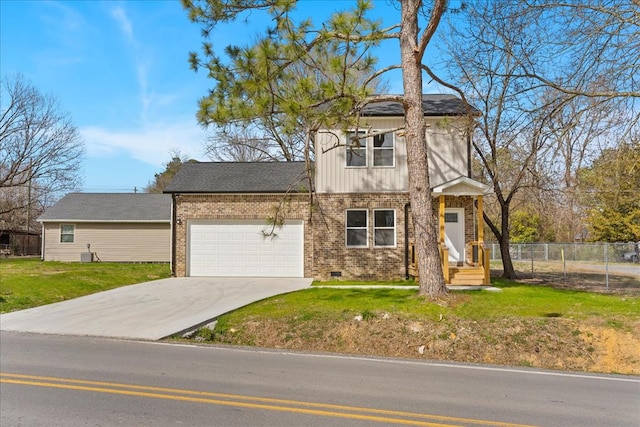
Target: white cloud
x,y
64,36
150,144
143,62
123,21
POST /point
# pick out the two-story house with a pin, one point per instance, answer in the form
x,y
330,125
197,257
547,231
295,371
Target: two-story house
x,y
259,219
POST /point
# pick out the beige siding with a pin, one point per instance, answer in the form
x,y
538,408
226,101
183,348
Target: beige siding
x,y
447,146
447,149
112,242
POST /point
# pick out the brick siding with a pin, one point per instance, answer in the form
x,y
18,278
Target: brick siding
x,y
239,206
370,263
325,249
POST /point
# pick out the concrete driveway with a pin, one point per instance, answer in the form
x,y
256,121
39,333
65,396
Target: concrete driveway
x,y
150,310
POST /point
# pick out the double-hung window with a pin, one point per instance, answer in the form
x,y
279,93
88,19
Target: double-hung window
x,y
357,228
67,233
383,150
356,146
384,227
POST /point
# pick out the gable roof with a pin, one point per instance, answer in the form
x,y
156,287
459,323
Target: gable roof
x,y
110,207
461,186
238,177
432,104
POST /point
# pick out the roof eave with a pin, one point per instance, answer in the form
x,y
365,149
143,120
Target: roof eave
x,y
244,193
118,221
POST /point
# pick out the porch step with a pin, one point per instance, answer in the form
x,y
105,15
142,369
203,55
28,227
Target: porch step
x,y
466,276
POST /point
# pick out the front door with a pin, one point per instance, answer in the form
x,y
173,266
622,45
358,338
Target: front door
x,y
454,234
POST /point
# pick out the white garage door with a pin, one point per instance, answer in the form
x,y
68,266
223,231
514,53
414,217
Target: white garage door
x,y
239,248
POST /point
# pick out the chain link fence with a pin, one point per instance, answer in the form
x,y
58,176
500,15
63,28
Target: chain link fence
x,y
590,266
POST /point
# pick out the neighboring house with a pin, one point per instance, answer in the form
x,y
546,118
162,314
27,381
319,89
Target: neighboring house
x,y
114,227
357,224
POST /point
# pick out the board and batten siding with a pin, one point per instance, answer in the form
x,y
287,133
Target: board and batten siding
x,y
447,146
111,242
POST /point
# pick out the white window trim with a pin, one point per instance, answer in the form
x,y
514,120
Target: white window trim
x,y
348,147
392,148
346,228
395,229
66,234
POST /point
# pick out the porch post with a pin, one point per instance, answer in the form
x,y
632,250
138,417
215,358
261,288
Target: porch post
x,y
441,219
480,221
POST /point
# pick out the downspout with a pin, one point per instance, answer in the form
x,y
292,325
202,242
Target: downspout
x,y
173,234
406,240
469,171
42,241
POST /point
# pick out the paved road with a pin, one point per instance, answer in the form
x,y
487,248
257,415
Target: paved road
x,y
150,310
74,381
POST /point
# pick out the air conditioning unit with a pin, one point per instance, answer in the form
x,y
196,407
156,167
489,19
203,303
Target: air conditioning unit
x,y
86,257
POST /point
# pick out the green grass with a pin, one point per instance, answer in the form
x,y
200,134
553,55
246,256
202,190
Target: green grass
x,y
540,301
344,283
26,283
515,300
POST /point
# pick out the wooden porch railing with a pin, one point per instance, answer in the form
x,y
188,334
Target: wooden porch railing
x,y
444,257
479,258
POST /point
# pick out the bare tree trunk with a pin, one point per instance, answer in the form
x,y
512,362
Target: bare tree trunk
x,y
504,238
426,236
508,272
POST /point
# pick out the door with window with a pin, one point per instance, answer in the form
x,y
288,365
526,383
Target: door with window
x,y
454,234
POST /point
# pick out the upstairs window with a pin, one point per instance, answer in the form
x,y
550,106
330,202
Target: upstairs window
x,y
383,150
356,150
357,226
384,227
67,233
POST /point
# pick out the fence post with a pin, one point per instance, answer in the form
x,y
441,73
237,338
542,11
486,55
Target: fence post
x,y
546,252
531,254
606,264
564,266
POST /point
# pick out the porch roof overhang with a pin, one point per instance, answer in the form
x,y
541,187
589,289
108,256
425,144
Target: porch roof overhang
x,y
461,186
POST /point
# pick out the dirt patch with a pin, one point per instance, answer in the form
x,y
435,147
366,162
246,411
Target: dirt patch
x,y
552,343
579,278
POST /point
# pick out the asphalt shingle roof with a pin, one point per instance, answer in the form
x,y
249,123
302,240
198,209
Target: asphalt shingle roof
x,y
111,207
433,105
237,177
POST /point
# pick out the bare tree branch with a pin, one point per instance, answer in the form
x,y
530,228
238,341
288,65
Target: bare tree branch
x,y
40,148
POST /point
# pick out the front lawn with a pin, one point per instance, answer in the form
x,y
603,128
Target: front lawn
x,y
523,325
515,300
26,283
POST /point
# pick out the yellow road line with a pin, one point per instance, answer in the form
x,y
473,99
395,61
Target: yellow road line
x,y
240,400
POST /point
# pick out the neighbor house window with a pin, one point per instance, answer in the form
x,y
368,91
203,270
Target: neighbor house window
x,y
383,150
357,226
384,227
67,232
356,149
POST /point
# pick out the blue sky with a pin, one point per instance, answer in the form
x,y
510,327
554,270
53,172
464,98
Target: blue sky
x,y
120,69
